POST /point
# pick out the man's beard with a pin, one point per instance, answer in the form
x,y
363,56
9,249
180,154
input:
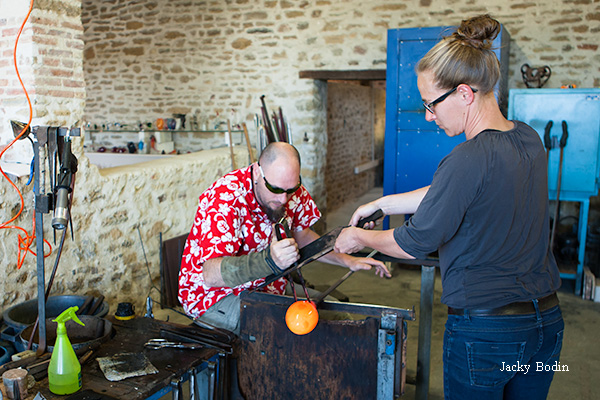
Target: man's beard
x,y
274,215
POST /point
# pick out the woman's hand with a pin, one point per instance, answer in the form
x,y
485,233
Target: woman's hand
x,y
347,242
366,210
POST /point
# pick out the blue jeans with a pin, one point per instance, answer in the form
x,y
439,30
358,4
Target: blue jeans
x,y
502,357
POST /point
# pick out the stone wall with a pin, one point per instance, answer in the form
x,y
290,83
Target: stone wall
x,y
50,62
214,59
115,212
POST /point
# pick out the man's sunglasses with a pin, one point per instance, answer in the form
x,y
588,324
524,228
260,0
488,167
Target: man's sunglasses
x,y
278,190
429,106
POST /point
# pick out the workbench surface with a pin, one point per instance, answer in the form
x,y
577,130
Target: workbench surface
x,y
130,337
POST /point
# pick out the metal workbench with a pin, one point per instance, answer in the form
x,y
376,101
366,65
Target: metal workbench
x,y
202,366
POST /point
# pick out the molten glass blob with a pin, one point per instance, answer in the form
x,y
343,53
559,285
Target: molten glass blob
x,y
302,317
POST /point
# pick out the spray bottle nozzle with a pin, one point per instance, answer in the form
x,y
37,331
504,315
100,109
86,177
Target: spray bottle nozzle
x,y
68,314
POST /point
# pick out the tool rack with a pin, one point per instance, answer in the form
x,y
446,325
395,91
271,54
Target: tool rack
x,y
580,109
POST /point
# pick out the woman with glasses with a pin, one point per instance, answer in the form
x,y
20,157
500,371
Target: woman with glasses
x,y
232,245
486,213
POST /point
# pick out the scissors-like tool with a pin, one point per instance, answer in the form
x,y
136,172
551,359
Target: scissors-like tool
x,y
162,343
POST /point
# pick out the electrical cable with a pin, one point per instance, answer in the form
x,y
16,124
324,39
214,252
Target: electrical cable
x,y
152,286
25,241
147,265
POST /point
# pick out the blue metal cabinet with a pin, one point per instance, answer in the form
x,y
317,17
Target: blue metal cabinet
x,y
580,108
413,146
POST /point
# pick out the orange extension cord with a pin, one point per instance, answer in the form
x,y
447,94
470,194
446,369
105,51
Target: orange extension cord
x,y
25,240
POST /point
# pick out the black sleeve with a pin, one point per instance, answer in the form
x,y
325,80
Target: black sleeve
x,y
455,184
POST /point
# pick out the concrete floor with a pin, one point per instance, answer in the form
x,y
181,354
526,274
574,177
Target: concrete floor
x,y
580,353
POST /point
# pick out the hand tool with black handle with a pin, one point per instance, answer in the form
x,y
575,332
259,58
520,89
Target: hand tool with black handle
x,y
318,248
548,140
562,144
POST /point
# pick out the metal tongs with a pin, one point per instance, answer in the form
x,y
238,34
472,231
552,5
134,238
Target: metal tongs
x,y
162,343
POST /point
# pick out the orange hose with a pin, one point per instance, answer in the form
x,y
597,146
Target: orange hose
x,y
25,241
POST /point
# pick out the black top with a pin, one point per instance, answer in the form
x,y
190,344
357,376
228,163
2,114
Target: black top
x,y
487,214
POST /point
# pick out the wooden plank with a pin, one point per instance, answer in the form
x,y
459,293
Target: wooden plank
x,y
348,75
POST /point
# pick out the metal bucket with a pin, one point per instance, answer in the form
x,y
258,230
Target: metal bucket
x,y
96,331
22,315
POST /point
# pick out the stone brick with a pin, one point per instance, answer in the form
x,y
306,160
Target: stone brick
x,y
390,7
334,39
133,25
174,35
360,50
593,16
256,15
587,46
522,6
241,43
133,51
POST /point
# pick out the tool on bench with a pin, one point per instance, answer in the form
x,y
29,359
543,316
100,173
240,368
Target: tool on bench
x,y
164,343
562,144
317,249
196,337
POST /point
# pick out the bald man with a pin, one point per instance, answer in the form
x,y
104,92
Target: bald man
x,y
232,246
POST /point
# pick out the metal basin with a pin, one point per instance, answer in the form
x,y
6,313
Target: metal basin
x,y
20,316
96,330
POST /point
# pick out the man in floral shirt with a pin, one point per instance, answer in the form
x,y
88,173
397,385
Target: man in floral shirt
x,y
232,246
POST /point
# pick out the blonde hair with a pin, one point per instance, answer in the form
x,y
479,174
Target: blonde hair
x,y
466,56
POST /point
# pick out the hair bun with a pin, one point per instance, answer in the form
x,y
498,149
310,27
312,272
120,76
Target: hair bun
x,y
478,32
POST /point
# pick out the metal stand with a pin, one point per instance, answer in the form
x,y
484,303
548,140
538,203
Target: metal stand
x,y
428,267
425,318
40,140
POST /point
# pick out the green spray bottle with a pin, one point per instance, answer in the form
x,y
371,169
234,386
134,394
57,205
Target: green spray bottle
x,y
64,371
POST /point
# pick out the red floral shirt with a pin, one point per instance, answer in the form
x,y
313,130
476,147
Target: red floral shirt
x,y
230,222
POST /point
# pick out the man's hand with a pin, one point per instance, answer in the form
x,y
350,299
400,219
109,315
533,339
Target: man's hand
x,y
284,252
358,263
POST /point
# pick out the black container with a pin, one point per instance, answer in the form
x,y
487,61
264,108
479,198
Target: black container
x,y
22,315
96,330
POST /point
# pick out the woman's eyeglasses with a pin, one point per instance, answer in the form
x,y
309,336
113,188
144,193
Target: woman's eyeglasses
x,y
429,106
278,190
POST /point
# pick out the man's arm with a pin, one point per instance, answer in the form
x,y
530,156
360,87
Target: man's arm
x,y
234,271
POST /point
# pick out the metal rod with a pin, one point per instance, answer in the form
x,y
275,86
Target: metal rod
x,y
333,287
250,153
339,282
231,145
39,242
